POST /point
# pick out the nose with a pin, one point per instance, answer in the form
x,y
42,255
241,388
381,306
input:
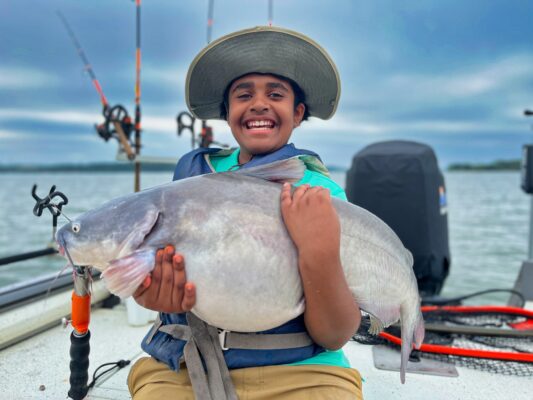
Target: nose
x,y
260,104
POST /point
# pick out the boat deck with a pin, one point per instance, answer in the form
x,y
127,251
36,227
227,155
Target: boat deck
x,y
38,368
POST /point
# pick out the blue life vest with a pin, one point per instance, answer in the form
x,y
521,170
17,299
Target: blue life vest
x,y
165,348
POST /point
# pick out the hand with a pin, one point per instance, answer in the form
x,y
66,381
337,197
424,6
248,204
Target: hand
x,y
167,289
311,220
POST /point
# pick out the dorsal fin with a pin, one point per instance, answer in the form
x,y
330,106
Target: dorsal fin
x,y
290,170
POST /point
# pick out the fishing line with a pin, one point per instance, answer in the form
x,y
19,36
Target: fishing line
x,y
85,60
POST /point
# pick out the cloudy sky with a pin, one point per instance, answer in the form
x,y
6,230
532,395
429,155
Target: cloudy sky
x,y
454,74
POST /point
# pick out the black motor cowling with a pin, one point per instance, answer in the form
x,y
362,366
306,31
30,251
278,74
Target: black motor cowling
x,y
401,183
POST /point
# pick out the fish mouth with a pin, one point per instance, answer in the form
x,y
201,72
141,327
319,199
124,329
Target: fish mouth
x,y
63,250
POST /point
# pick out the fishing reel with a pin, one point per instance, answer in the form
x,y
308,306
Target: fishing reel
x,y
113,115
186,122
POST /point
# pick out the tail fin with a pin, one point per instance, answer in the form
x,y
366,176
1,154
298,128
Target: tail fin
x,y
412,330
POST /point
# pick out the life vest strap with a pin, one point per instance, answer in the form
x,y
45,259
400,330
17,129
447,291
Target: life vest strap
x,y
234,340
217,385
208,341
254,341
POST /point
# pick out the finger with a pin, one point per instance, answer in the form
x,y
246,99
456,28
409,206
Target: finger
x,y
286,198
143,287
178,266
167,275
152,292
299,192
189,299
314,191
168,254
156,273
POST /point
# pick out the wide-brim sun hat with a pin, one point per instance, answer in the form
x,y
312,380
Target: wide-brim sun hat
x,y
264,50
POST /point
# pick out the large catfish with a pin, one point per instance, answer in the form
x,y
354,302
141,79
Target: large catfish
x,y
238,253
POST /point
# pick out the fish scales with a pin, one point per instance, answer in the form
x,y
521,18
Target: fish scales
x,y
238,253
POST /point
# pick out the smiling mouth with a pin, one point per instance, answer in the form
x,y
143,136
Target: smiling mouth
x,y
260,125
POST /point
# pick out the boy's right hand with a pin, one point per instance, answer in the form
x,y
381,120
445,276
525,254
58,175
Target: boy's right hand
x,y
166,289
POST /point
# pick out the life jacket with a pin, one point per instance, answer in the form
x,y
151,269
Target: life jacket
x,y
168,349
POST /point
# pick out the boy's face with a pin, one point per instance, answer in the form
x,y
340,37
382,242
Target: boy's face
x,y
261,114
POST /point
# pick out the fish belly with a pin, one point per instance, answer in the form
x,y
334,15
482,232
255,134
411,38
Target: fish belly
x,y
245,271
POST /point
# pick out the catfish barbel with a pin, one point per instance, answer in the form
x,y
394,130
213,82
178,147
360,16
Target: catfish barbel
x,y
238,253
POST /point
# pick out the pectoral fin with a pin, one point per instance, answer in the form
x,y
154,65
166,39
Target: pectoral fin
x,y
124,275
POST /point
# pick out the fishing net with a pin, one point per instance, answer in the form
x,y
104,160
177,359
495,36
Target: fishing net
x,y
480,335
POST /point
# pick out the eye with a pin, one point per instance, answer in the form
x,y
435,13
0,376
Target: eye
x,y
75,228
276,95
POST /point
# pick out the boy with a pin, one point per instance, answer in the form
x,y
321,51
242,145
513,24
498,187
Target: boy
x,y
263,81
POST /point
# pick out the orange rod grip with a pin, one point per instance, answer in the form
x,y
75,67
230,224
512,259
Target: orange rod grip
x,y
81,312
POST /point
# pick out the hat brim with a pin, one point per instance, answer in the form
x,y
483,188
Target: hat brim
x,y
265,50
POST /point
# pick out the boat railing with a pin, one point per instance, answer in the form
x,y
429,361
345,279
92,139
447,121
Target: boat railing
x,y
22,292
28,256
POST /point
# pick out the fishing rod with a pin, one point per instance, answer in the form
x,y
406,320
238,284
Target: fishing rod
x,y
117,123
85,60
184,119
137,184
210,11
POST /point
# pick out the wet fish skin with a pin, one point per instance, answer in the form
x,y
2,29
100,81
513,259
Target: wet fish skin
x,y
237,251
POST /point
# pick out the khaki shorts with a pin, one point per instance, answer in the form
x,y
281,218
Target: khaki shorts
x,y
152,380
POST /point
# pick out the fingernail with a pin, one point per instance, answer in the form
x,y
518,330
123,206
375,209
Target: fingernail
x,y
188,287
147,281
169,249
178,258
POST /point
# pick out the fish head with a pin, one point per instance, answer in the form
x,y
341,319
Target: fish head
x,y
109,232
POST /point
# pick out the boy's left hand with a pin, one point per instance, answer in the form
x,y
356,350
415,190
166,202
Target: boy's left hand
x,y
311,220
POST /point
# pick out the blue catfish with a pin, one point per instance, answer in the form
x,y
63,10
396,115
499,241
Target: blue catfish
x,y
238,253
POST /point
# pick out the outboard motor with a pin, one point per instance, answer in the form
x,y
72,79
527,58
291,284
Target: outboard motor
x,y
401,183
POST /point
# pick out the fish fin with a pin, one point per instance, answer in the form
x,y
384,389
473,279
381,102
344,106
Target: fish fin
x,y
140,230
290,170
124,275
412,328
419,331
376,326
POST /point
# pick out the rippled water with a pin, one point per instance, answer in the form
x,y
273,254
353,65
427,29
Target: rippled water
x,y
488,223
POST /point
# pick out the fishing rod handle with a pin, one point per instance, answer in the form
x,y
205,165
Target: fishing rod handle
x,y
79,365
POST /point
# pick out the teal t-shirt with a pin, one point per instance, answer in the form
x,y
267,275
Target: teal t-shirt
x,y
225,162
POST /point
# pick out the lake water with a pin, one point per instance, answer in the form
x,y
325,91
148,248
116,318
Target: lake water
x,y
488,218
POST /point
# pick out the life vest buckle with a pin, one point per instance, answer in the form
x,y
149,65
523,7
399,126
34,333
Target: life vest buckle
x,y
222,335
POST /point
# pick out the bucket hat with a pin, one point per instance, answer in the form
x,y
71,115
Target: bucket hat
x,y
266,50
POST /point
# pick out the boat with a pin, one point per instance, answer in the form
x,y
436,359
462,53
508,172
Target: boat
x,y
36,344
36,332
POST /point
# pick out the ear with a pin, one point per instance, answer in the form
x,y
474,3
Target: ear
x,y
299,112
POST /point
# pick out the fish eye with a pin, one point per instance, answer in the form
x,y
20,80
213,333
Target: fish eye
x,y
75,227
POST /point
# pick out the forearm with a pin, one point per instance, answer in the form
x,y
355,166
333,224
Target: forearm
x,y
332,316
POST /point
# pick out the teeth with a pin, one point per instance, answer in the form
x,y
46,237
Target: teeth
x,y
259,124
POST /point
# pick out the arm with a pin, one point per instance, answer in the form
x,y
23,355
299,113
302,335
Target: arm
x,y
331,316
166,289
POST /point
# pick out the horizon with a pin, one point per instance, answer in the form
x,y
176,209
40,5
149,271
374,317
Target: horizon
x,y
455,76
